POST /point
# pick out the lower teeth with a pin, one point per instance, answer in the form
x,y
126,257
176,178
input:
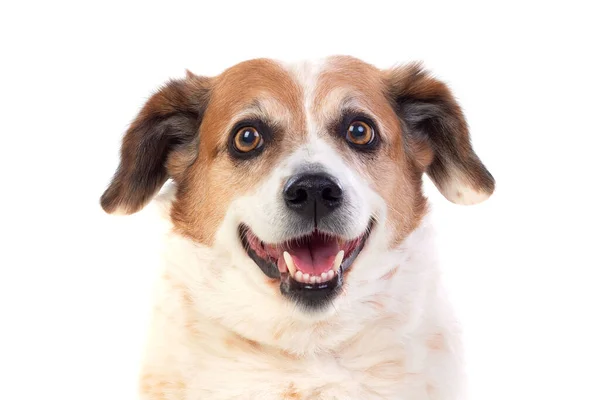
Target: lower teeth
x,y
307,278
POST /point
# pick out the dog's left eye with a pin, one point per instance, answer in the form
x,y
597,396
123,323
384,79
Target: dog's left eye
x,y
247,139
360,133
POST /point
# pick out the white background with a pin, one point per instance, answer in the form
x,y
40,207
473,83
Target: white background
x,y
522,268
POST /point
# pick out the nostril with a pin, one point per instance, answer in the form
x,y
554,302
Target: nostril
x,y
331,194
297,196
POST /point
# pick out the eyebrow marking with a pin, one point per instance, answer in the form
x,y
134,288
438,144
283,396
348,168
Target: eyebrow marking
x,y
347,99
268,110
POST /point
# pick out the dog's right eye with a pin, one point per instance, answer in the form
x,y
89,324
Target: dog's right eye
x,y
247,139
360,133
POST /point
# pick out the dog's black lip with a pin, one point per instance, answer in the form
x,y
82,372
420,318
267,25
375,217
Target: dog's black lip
x,y
269,268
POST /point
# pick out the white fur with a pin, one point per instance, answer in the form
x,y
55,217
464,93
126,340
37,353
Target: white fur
x,y
264,210
381,339
458,190
414,309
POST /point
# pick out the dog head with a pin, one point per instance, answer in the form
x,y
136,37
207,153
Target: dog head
x,y
298,171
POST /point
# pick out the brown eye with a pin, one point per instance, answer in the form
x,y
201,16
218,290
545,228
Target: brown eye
x,y
360,133
247,139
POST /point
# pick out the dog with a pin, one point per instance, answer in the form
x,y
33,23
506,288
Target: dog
x,y
300,261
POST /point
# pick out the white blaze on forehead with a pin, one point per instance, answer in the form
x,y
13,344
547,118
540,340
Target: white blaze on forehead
x,y
332,103
306,74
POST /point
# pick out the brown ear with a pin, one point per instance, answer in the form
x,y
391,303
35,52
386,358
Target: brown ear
x,y
437,135
162,137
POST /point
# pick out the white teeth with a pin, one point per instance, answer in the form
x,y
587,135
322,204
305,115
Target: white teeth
x,y
290,263
307,278
338,261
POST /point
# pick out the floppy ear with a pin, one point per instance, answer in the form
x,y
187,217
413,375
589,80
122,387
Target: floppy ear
x,y
161,142
437,135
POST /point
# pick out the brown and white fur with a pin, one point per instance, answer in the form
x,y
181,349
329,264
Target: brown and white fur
x,y
221,328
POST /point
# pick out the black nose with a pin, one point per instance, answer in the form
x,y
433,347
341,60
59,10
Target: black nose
x,y
313,195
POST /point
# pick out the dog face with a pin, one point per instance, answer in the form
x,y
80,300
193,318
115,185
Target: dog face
x,y
299,171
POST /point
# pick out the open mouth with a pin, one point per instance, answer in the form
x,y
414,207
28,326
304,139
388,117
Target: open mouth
x,y
310,267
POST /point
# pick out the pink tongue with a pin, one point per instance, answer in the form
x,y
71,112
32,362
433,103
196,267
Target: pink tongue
x,y
316,256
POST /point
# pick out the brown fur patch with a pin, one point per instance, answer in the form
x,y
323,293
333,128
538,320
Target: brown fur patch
x,y
364,85
187,306
291,393
378,305
287,354
393,319
274,286
436,342
240,342
389,275
162,388
202,199
278,333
